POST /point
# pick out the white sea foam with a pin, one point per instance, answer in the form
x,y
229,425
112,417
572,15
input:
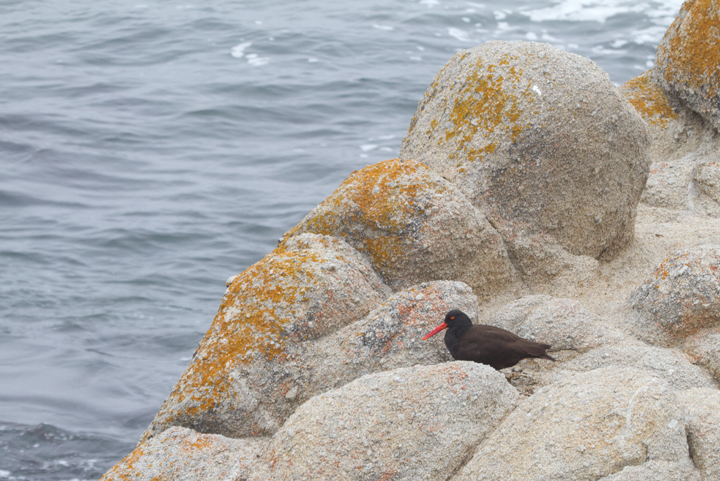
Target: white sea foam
x,y
368,147
256,61
429,3
383,27
238,51
313,60
461,35
600,11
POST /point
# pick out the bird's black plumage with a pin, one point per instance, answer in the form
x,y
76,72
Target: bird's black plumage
x,y
486,344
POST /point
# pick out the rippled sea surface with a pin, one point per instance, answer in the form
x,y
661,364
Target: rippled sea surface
x,y
149,150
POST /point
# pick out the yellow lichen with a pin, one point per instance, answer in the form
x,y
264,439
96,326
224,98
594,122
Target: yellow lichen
x,y
374,208
485,101
691,54
648,99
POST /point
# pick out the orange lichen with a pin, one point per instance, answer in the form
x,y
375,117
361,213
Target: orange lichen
x,y
691,52
251,321
648,99
375,208
125,469
485,101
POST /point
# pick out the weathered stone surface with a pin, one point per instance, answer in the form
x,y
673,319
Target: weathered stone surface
x,y
681,297
702,415
388,338
562,323
658,470
704,349
307,288
675,130
688,60
669,365
408,424
668,184
586,426
540,140
416,227
182,454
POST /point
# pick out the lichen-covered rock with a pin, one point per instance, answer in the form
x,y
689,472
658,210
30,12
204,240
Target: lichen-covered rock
x,y
704,349
675,130
688,60
681,297
307,288
702,415
407,424
181,454
562,323
416,227
586,426
539,139
656,470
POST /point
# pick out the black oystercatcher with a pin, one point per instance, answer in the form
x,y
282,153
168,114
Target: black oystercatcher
x,y
486,344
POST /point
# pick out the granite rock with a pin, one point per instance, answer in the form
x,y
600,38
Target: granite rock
x,y
702,415
416,227
585,426
541,141
562,323
688,60
412,423
680,298
181,454
305,289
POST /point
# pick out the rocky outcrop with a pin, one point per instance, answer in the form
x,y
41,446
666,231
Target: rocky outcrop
x,y
688,58
529,133
416,227
408,424
680,298
303,290
520,175
181,454
587,426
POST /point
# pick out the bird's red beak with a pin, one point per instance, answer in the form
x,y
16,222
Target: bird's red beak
x,y
435,331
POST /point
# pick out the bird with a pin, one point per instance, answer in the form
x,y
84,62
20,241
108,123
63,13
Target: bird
x,y
484,344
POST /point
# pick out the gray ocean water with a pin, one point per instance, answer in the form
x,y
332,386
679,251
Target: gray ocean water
x,y
150,149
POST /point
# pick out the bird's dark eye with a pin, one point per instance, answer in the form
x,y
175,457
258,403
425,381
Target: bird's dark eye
x,y
452,317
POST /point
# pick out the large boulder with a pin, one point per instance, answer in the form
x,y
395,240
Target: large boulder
x,y
413,423
416,227
680,298
303,290
181,454
688,58
541,141
702,415
586,426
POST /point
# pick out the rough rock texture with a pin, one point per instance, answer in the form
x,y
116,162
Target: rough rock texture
x,y
670,366
407,424
669,183
688,60
702,415
307,288
587,426
675,130
704,349
182,454
416,227
681,297
541,141
562,323
658,470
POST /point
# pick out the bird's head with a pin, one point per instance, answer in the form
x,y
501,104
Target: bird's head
x,y
453,318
